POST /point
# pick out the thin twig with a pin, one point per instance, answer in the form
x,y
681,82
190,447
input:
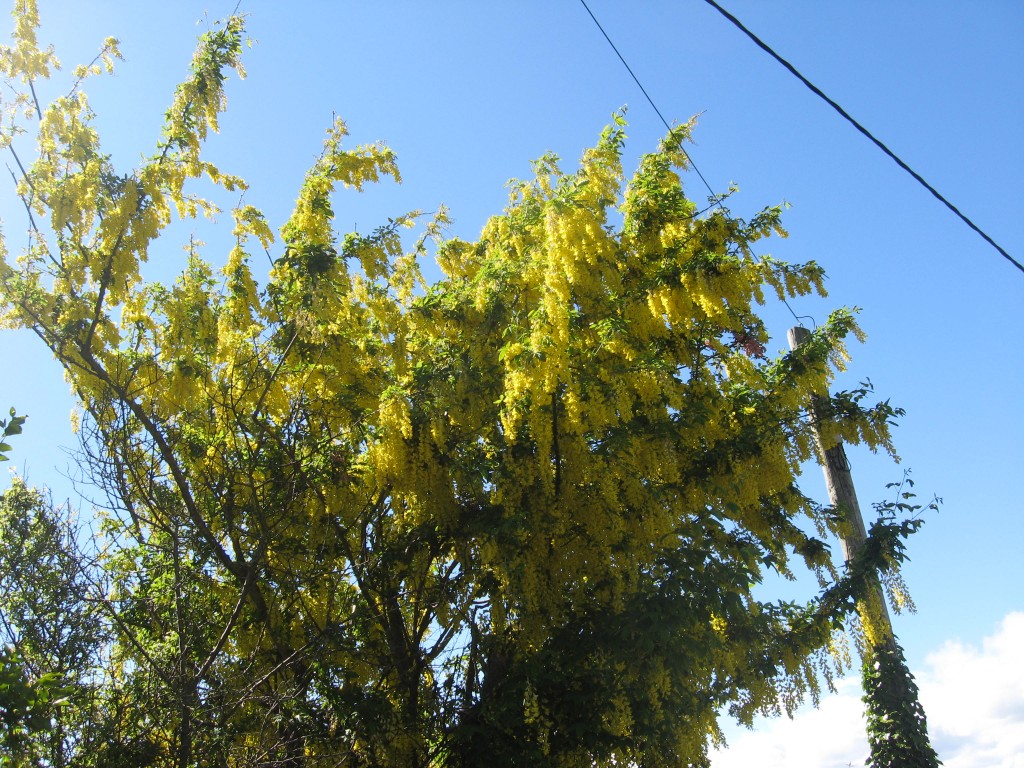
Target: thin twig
x,y
32,88
28,208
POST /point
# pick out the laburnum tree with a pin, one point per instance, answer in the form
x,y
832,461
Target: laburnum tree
x,y
512,517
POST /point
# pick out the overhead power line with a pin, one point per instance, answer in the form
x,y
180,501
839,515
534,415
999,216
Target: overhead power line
x,y
765,47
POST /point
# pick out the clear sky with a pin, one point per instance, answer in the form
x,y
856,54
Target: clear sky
x,y
468,92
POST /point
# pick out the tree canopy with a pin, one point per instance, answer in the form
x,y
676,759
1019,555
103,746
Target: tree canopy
x,y
514,516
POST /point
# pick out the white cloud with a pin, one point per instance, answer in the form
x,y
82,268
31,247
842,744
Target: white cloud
x,y
973,697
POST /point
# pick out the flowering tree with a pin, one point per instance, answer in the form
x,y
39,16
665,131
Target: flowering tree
x,y
512,516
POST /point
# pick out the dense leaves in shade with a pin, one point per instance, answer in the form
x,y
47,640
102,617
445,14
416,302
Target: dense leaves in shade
x,y
51,628
512,517
897,727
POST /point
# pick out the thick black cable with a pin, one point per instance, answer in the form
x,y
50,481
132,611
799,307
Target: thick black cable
x,y
717,198
765,47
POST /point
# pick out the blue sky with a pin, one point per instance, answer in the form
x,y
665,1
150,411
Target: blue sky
x,y
468,93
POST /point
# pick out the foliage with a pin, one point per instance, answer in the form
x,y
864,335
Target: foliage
x,y
897,727
28,697
23,702
50,616
896,724
515,516
25,706
11,426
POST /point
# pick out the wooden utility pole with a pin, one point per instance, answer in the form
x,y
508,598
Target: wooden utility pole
x,y
897,728
842,494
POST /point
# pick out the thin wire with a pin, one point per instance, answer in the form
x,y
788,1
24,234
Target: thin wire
x,y
764,46
717,198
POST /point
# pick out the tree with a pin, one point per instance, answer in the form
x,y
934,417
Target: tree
x,y
51,620
45,631
23,701
514,516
